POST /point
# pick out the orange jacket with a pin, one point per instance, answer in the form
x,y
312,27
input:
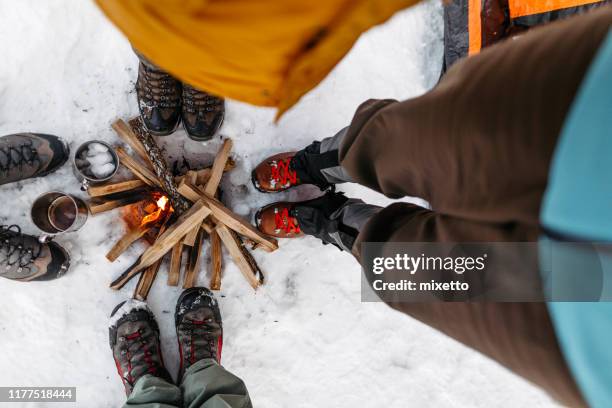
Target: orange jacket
x,y
264,52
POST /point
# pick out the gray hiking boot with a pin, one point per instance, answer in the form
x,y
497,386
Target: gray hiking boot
x,y
134,340
198,327
27,155
24,258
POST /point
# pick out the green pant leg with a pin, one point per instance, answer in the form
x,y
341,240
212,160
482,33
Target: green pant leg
x,y
206,384
154,392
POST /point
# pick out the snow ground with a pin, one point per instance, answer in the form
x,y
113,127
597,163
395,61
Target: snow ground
x,y
305,339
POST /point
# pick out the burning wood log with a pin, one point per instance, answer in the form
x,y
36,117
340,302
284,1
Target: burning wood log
x,y
199,213
195,260
216,260
164,176
194,216
174,273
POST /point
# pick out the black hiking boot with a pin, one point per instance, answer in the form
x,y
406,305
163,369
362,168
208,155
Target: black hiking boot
x,y
24,258
203,113
333,218
28,155
134,340
159,99
198,327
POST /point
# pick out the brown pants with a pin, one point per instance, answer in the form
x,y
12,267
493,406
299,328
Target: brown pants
x,y
478,148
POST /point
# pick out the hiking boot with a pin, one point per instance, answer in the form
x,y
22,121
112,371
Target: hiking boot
x,y
202,113
317,164
333,218
134,341
198,327
28,155
24,258
159,99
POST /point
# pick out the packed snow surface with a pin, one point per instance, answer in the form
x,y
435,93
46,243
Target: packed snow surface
x,y
304,339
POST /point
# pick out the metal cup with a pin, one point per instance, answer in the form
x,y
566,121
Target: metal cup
x,y
56,212
85,179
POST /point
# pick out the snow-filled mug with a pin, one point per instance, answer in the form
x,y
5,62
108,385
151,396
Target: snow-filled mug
x,y
94,162
56,212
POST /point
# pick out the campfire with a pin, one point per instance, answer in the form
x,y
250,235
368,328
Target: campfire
x,y
175,214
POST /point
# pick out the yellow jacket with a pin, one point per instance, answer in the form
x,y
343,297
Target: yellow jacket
x,y
264,52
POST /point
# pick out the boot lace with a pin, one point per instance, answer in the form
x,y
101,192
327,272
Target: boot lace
x,y
158,88
281,172
195,101
16,157
201,330
136,343
285,221
15,251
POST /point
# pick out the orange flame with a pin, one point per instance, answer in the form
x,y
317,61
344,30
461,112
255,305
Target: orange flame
x,y
162,202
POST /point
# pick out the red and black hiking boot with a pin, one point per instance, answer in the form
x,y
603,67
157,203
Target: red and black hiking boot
x,y
159,99
275,174
333,218
198,327
202,113
279,220
134,340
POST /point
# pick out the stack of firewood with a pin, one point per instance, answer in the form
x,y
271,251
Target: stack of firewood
x,y
195,214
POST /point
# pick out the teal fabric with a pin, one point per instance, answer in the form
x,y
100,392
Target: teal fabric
x,y
578,203
205,384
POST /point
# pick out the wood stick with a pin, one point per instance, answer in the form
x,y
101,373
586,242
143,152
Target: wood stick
x,y
217,167
194,216
98,191
157,160
139,170
194,263
145,282
126,240
103,206
227,217
216,260
233,246
126,134
190,238
174,273
148,276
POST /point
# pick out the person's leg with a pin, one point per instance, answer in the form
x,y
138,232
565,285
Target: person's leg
x,y
154,392
134,341
478,146
205,383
